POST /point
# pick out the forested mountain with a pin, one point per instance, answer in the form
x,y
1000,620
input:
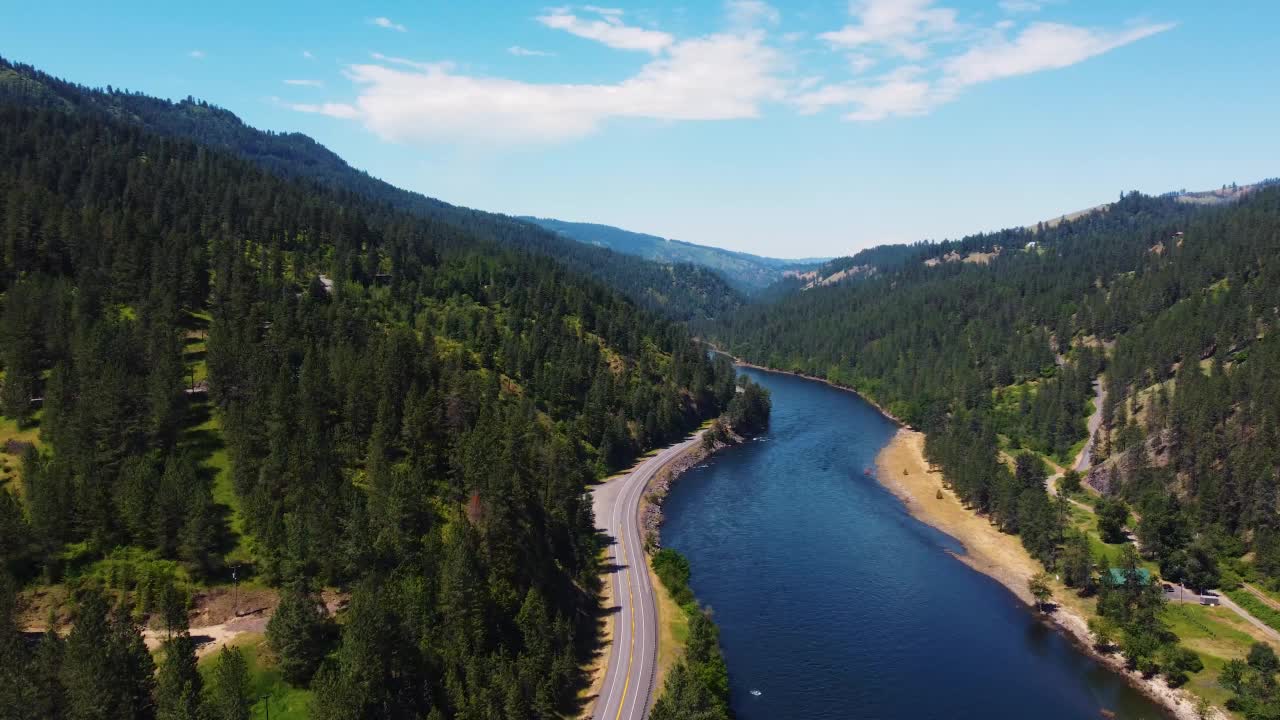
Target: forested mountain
x,y
217,361
863,264
991,343
679,289
746,272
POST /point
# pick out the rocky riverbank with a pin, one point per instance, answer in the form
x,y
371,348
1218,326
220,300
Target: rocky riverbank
x,y
660,485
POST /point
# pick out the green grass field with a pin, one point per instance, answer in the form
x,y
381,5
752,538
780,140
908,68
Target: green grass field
x,y
1217,635
287,702
1256,607
203,436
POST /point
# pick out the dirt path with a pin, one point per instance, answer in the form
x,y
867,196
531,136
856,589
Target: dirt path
x,y
218,617
1265,598
1085,457
211,638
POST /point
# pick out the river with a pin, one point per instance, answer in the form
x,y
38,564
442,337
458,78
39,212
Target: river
x,y
833,602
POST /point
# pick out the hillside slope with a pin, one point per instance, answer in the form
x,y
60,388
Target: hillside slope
x,y
677,289
224,367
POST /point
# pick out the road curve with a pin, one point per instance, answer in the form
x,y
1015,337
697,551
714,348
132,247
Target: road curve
x,y
627,691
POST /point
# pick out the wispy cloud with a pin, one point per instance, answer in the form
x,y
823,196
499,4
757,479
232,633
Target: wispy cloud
x,y
752,13
445,66
305,83
717,77
903,27
607,28
385,22
910,32
1023,6
342,111
196,54
1042,46
306,54
860,63
526,52
901,92
894,58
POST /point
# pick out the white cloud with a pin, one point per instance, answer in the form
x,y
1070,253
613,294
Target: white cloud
x,y
445,66
608,29
902,27
305,83
336,110
909,31
901,92
307,55
752,13
1041,46
196,54
385,22
526,52
717,77
922,55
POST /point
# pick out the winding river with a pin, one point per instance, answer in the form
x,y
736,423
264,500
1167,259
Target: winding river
x,y
833,602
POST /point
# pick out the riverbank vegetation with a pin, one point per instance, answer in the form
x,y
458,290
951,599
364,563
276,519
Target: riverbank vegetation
x,y
747,415
697,687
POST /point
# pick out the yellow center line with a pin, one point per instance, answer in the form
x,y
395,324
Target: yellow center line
x,y
631,653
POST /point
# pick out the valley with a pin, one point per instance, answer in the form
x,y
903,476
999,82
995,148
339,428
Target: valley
x,y
278,437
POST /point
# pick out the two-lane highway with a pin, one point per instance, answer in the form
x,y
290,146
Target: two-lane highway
x,y
627,692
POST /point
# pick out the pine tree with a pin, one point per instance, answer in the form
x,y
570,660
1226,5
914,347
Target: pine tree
x,y
17,686
178,684
230,694
299,633
46,664
107,672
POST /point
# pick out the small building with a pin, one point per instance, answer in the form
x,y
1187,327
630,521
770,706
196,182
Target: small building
x,y
1115,577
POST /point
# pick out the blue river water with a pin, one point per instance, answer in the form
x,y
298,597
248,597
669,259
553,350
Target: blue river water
x,y
833,602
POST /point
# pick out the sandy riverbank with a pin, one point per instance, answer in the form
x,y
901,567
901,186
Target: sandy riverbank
x,y
902,468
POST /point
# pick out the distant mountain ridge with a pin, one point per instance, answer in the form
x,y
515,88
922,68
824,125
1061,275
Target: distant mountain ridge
x,y
1225,194
885,258
746,272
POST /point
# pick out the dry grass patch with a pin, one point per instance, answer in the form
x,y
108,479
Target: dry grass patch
x,y
673,629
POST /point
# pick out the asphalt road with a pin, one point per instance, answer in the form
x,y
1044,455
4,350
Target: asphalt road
x,y
627,692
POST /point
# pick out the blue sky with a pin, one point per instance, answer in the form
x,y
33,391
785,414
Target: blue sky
x,y
787,128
